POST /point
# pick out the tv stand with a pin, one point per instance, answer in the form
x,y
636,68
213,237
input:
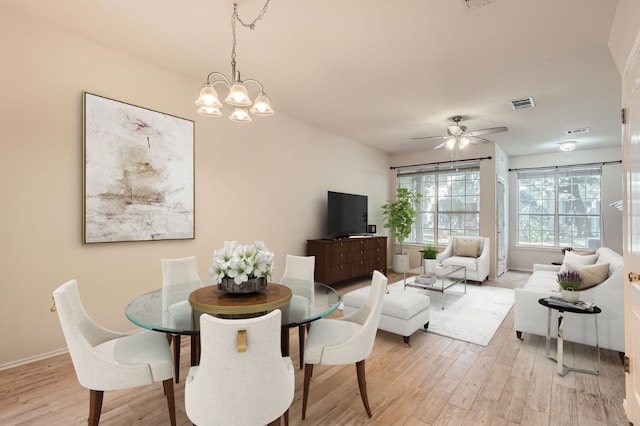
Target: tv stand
x,y
343,259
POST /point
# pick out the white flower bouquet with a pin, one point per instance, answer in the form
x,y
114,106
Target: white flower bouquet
x,y
241,262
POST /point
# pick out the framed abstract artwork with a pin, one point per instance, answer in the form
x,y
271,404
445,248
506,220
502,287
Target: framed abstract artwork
x,y
138,173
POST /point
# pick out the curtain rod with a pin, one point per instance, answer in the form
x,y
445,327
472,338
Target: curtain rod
x,y
441,162
604,163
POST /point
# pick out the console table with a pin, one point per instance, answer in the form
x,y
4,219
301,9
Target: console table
x,y
342,259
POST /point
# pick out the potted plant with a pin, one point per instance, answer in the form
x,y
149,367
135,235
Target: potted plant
x,y
241,268
400,215
570,282
429,255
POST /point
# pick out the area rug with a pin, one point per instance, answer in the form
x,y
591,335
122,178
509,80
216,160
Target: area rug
x,y
473,317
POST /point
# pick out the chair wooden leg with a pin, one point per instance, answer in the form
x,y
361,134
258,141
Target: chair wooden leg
x,y
308,371
362,382
301,331
171,403
95,406
176,357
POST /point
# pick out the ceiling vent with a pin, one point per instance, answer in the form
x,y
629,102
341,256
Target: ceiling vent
x,y
577,131
523,103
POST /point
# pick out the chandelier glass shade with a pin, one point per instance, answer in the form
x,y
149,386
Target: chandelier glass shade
x,y
238,97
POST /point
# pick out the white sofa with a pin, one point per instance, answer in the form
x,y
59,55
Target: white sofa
x,y
477,267
531,317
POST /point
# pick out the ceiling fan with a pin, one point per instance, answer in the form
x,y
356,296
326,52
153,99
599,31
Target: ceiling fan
x,y
457,134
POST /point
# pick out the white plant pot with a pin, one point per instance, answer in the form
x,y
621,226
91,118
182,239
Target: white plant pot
x,y
401,261
430,265
570,296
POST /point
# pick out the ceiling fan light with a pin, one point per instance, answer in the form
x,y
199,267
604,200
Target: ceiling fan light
x,y
567,146
261,106
238,96
240,115
451,142
455,130
208,97
463,141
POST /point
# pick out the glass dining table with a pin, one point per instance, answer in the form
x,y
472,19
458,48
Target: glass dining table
x,y
168,310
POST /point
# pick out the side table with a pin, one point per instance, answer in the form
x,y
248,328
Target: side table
x,y
563,369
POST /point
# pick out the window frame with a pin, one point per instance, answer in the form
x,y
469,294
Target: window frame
x,y
434,197
565,195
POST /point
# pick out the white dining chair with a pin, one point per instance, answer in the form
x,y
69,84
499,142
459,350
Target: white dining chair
x,y
345,340
177,271
242,379
106,360
300,268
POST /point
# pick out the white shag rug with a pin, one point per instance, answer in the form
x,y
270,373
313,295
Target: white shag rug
x,y
473,317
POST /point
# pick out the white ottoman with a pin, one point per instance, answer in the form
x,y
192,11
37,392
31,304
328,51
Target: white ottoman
x,y
403,312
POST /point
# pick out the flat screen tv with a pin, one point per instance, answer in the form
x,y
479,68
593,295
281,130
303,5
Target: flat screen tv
x,y
346,214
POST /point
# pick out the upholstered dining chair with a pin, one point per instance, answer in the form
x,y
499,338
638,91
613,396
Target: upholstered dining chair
x,y
242,379
106,360
300,268
176,271
346,340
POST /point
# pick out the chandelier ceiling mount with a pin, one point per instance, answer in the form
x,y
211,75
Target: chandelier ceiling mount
x,y
238,97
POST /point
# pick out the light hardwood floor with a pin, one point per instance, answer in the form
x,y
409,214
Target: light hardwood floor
x,y
436,381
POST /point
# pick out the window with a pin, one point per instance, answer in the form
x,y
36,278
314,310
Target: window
x,y
560,207
450,203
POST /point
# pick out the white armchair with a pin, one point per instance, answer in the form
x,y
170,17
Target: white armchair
x,y
107,360
471,252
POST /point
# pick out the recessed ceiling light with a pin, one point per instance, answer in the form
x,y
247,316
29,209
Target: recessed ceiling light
x,y
567,146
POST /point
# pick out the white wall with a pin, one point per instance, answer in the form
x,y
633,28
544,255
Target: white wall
x,y
267,180
523,258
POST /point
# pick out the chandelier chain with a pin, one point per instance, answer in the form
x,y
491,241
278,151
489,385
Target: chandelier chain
x,y
252,24
235,17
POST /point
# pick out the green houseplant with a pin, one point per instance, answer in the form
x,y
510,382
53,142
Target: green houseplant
x,y
429,252
400,215
429,255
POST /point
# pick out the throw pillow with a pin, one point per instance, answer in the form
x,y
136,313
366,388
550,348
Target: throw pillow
x,y
467,248
592,275
576,259
584,252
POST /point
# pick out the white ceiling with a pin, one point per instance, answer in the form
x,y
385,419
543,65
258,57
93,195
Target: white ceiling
x,y
382,72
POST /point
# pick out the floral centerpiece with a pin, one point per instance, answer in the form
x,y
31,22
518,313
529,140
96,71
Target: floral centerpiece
x,y
570,282
241,268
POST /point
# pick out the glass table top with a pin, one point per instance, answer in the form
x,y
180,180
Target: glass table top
x,y
168,310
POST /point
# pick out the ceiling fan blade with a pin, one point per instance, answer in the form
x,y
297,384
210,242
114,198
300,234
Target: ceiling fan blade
x,y
440,145
475,140
430,137
487,131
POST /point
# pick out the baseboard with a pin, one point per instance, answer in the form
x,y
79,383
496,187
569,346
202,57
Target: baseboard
x,y
33,359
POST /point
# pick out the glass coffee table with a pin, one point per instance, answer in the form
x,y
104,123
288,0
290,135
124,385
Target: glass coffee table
x,y
440,280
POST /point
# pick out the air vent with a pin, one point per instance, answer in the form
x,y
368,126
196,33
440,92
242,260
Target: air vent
x,y
577,131
523,103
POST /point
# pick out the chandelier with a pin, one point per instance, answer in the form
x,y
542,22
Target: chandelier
x,y
238,97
